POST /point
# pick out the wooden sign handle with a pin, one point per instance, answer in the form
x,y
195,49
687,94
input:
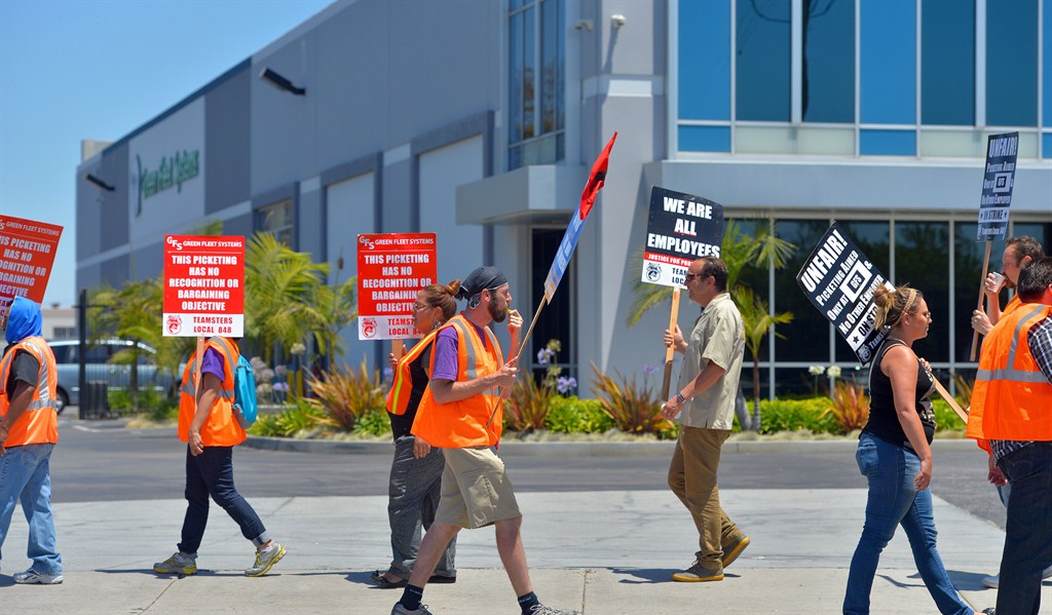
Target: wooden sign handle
x,y
670,352
198,359
945,395
982,293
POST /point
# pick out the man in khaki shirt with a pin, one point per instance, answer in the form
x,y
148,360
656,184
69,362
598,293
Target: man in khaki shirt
x,y
708,385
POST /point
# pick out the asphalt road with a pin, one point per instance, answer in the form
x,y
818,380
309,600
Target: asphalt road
x,y
98,463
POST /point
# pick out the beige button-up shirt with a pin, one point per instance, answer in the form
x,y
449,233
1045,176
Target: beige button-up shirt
x,y
718,336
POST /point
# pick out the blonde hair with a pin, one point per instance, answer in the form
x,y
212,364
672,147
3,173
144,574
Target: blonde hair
x,y
893,304
443,296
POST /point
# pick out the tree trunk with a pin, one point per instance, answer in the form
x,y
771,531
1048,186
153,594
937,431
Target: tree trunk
x,y
755,423
133,379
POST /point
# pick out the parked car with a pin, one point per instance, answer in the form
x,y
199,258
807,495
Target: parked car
x,y
99,368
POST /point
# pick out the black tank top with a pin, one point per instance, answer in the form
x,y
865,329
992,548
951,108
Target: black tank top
x,y
883,421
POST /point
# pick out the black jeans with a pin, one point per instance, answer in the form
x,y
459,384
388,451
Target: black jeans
x,y
212,474
1028,533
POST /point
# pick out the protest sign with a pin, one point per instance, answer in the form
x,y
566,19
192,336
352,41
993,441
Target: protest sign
x,y
681,229
839,280
995,199
27,253
392,269
204,286
998,181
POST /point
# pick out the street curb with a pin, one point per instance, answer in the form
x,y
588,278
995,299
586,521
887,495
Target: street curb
x,y
582,449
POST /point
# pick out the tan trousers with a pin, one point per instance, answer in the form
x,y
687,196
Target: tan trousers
x,y
692,477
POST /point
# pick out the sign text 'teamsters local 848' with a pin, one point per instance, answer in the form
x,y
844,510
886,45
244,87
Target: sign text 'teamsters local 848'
x,y
839,280
204,286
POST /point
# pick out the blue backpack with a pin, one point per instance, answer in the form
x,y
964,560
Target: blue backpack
x,y
245,403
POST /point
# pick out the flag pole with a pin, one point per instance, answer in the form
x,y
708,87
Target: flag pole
x,y
982,293
533,323
670,351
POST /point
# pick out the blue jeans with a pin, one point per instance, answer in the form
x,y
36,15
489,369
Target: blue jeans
x,y
25,474
212,474
1028,532
894,500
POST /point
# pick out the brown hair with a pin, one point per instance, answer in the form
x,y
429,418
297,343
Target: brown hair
x,y
442,296
893,304
1024,246
710,265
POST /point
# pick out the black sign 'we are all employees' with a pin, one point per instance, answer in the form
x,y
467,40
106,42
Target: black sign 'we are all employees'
x,y
681,229
998,180
839,279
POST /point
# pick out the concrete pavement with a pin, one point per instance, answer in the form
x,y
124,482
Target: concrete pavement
x,y
597,552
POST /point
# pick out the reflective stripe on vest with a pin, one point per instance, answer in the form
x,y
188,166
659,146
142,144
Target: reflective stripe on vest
x,y
187,387
471,370
1009,373
43,397
33,426
402,387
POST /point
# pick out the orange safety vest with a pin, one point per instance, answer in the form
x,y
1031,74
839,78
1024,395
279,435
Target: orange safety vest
x,y
39,423
222,427
465,423
1012,398
402,387
1011,306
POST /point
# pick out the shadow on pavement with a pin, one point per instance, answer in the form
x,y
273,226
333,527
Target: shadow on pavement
x,y
967,581
648,576
901,584
201,572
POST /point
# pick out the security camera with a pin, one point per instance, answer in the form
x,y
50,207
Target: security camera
x,y
583,24
617,20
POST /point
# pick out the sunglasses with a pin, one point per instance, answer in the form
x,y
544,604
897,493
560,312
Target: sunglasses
x,y
691,276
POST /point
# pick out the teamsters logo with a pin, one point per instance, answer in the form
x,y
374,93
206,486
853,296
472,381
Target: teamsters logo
x,y
368,327
653,272
174,324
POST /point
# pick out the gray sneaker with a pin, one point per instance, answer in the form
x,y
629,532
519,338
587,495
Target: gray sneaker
x,y
540,609
178,563
32,577
265,560
401,610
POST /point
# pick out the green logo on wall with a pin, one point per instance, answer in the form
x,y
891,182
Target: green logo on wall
x,y
172,171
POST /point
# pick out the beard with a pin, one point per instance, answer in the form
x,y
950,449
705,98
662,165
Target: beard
x,y
498,314
1009,284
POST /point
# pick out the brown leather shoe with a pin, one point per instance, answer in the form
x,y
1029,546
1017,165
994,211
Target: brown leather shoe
x,y
734,549
699,573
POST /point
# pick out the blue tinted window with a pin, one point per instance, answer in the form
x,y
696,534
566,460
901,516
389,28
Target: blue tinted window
x,y
704,138
1011,63
552,63
828,63
762,60
887,143
1047,139
1047,42
948,62
888,61
705,60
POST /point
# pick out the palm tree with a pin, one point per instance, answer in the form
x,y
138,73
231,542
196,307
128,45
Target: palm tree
x,y
757,321
738,251
279,286
332,309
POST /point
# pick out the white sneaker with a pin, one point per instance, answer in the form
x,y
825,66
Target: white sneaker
x,y
32,577
991,581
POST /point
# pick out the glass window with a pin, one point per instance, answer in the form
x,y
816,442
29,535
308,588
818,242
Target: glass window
x,y
1011,63
536,102
552,54
762,60
704,139
704,60
968,269
277,219
757,279
63,354
887,142
1038,230
828,65
948,62
872,237
888,50
794,382
922,260
807,337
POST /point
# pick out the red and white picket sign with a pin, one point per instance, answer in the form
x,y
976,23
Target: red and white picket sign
x,y
204,286
392,269
27,253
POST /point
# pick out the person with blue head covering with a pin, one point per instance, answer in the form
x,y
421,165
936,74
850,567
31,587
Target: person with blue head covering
x,y
28,434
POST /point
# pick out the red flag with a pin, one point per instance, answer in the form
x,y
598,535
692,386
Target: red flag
x,y
596,178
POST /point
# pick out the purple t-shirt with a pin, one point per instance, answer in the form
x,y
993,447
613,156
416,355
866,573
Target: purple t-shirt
x,y
212,364
447,366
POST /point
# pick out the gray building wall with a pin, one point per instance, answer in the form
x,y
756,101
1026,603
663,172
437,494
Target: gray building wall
x,y
227,131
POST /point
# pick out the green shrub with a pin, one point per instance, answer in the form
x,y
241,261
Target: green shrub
x,y
796,414
374,424
297,417
574,415
151,403
945,417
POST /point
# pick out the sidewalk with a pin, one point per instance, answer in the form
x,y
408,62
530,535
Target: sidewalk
x,y
598,552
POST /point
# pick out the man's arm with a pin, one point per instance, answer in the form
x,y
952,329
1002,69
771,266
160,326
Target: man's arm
x,y
705,379
449,391
1040,340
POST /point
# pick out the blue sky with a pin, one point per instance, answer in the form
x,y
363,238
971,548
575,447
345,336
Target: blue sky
x,y
98,69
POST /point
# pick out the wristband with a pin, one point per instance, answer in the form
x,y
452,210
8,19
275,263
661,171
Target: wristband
x,y
680,399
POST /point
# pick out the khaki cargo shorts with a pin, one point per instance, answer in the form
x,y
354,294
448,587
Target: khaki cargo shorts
x,y
476,491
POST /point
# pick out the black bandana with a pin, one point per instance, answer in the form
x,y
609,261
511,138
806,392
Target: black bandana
x,y
483,278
